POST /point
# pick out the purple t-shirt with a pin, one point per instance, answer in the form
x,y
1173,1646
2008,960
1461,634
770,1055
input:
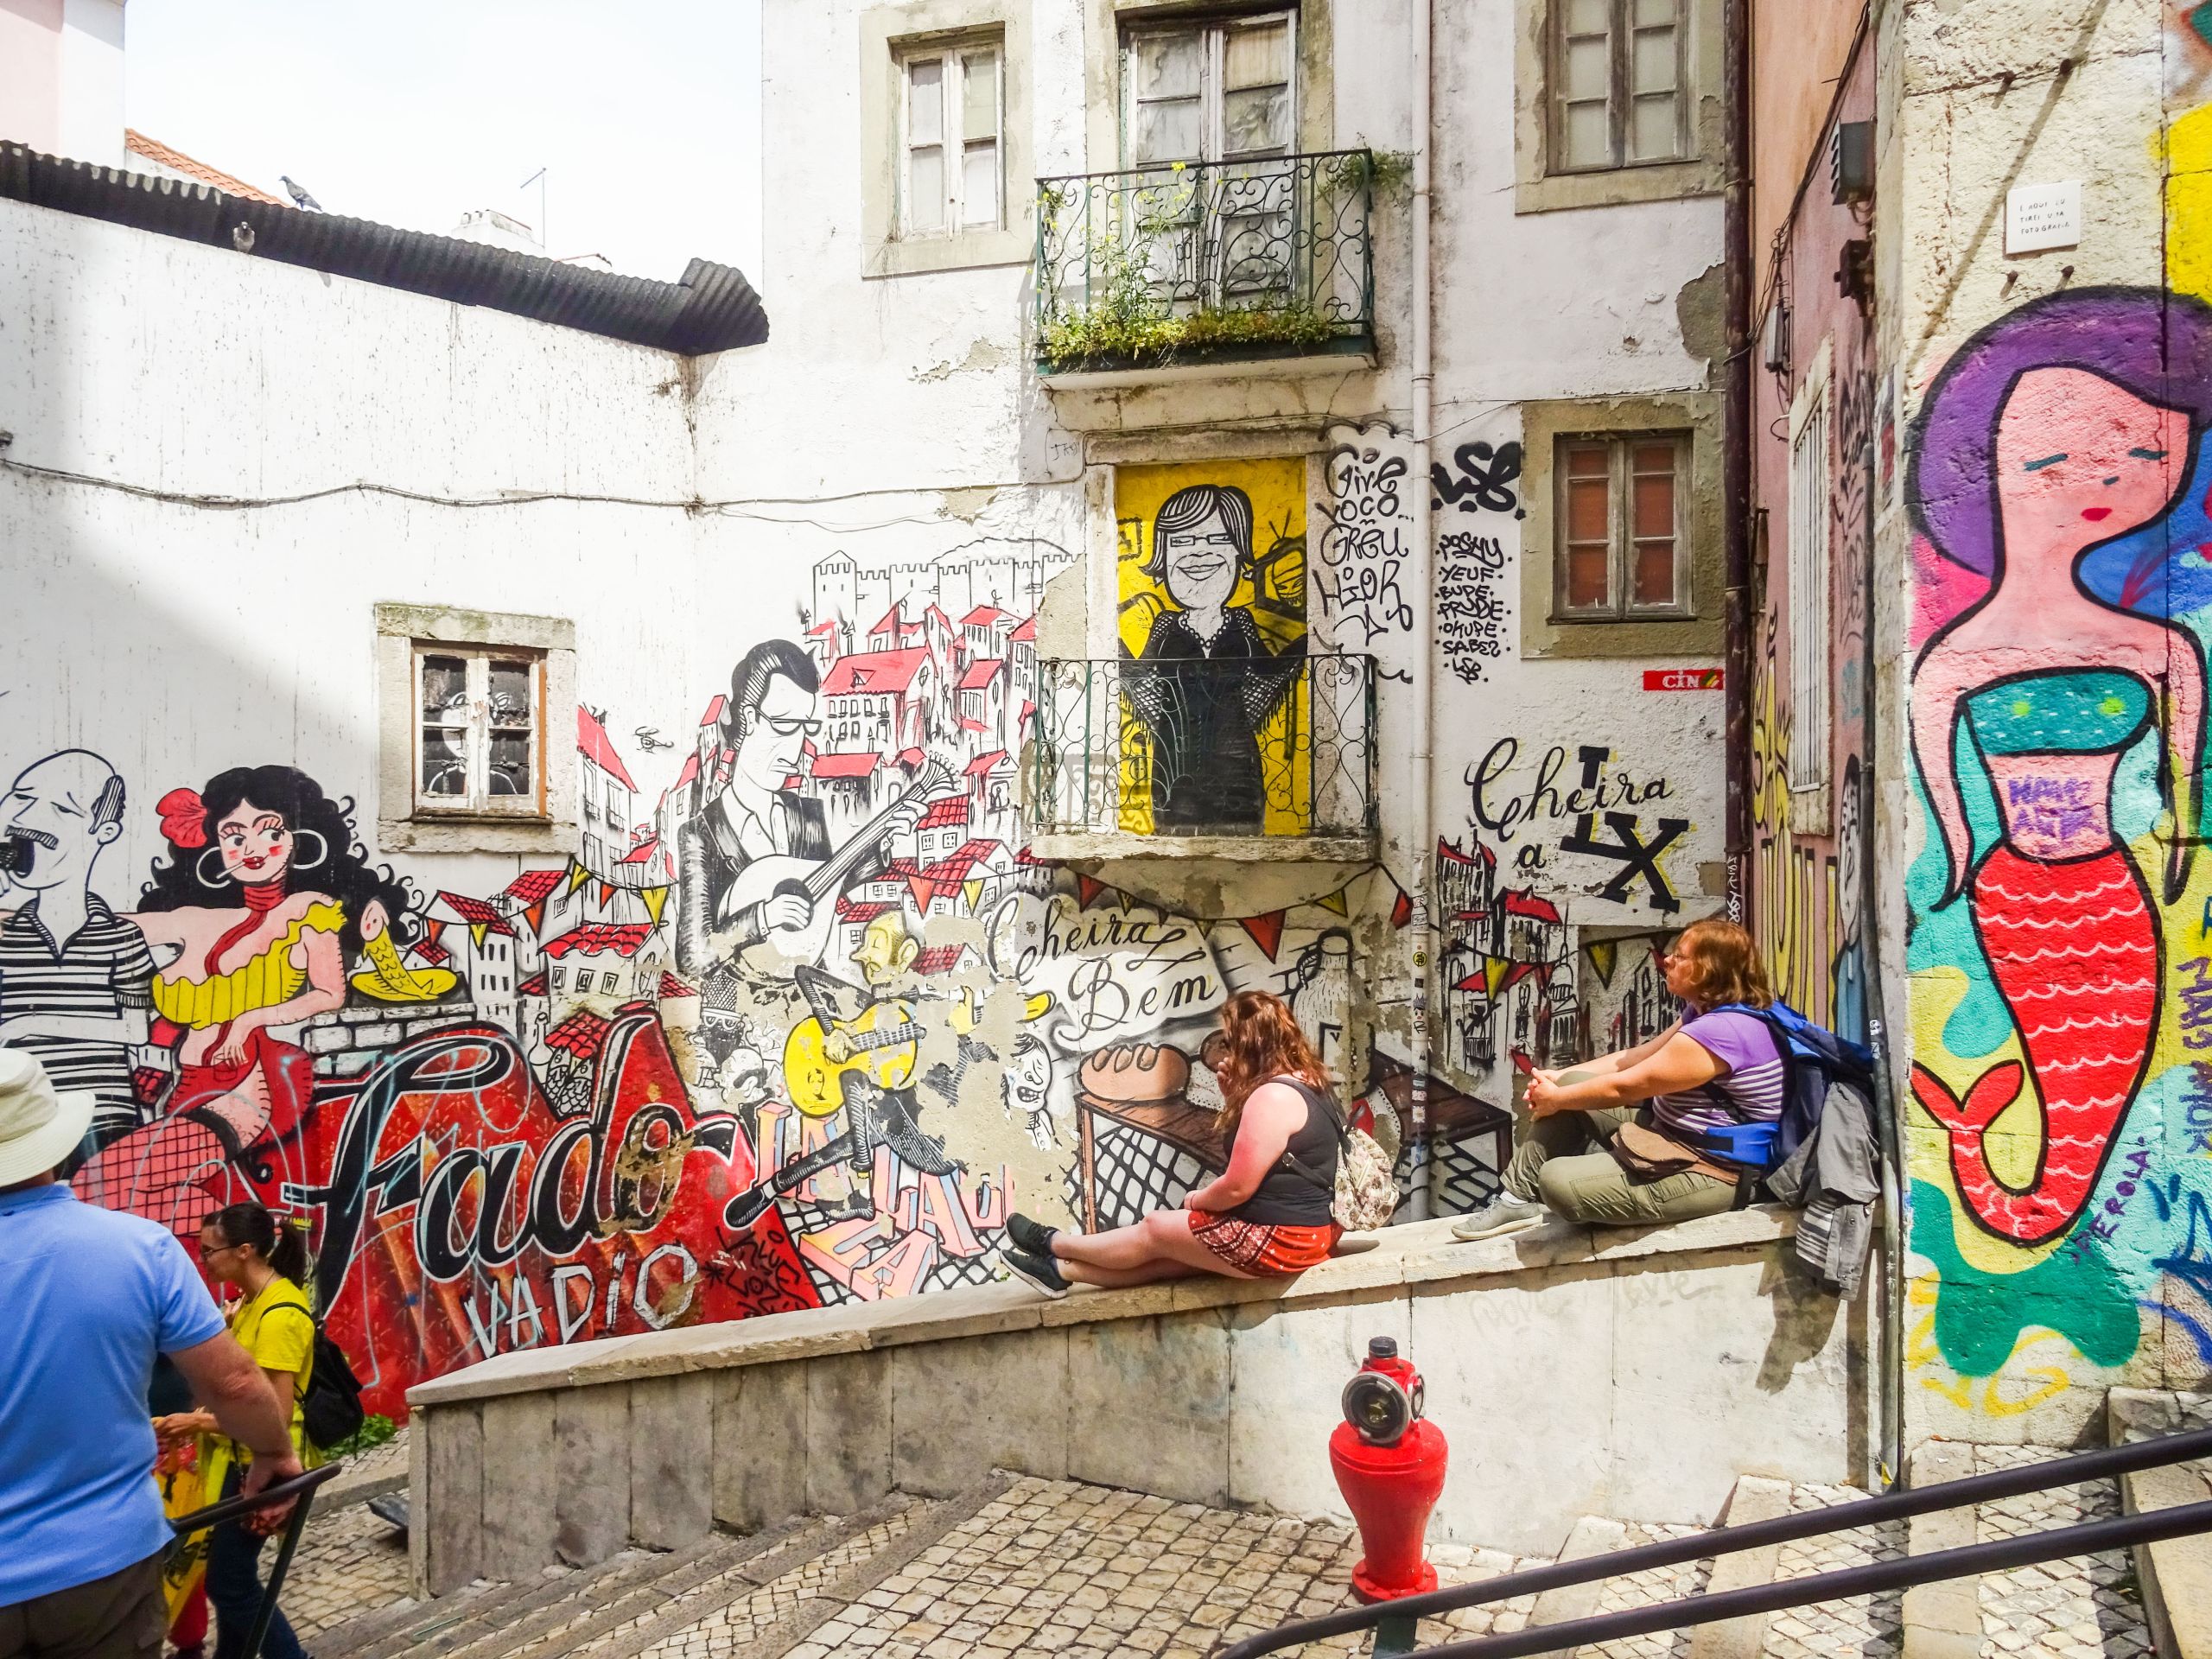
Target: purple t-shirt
x,y
1754,1083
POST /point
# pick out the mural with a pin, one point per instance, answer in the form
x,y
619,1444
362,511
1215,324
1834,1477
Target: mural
x,y
1212,611
2057,485
803,1025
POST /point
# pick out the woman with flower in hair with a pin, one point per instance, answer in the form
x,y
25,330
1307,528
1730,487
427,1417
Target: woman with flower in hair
x,y
263,900
2066,425
1266,1215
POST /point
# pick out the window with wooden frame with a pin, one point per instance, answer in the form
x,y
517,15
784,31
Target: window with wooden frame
x,y
1618,80
1622,538
479,745
1222,89
951,148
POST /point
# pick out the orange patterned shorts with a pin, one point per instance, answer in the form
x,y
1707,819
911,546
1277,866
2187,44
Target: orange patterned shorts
x,y
1254,1246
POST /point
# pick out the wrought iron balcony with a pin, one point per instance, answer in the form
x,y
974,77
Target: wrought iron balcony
x,y
1272,749
1204,261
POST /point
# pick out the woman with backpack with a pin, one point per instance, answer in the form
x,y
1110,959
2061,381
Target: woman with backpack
x,y
1268,1214
1663,1131
266,1260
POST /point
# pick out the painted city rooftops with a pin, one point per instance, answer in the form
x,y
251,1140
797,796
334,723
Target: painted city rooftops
x,y
531,886
477,913
582,1033
944,812
1027,633
592,739
643,852
715,707
671,986
981,617
942,958
623,938
1528,904
874,673
985,763
839,766
980,673
534,986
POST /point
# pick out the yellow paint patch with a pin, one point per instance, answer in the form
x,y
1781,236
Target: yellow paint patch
x,y
2189,203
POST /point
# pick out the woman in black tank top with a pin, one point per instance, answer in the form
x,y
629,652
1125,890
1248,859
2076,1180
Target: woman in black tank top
x,y
1266,1215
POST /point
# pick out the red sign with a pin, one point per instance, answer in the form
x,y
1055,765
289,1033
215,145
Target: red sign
x,y
1681,679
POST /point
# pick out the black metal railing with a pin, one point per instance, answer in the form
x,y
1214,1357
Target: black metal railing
x,y
1248,746
1267,258
301,1487
1904,1573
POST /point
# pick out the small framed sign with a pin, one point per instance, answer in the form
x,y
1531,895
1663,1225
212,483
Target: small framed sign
x,y
2039,216
1681,679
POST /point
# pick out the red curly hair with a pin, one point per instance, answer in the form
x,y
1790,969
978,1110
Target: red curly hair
x,y
1260,1040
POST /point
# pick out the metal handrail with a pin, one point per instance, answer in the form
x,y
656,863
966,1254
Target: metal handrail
x,y
1727,1541
301,1486
2089,1539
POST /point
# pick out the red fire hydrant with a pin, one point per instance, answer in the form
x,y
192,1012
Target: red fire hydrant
x,y
1389,1461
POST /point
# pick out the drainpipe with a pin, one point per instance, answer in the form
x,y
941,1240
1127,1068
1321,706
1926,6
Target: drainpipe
x,y
1736,450
1424,583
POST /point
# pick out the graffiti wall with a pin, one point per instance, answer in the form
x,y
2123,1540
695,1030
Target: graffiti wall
x,y
2056,485
1819,451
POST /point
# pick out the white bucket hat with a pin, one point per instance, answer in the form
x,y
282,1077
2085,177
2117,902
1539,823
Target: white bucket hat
x,y
39,1127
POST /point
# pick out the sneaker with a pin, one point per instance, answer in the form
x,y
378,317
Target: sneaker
x,y
1038,1270
1033,1236
1504,1214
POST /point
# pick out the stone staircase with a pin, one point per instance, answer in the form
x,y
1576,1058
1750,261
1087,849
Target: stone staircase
x,y
1021,1565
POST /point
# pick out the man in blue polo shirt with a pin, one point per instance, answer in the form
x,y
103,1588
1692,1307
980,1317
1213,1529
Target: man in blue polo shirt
x,y
87,1297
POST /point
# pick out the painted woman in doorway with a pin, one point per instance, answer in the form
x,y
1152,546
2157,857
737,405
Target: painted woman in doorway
x,y
263,902
2067,424
1206,684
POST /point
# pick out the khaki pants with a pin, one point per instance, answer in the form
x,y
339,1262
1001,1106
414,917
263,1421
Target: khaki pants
x,y
1564,1163
123,1616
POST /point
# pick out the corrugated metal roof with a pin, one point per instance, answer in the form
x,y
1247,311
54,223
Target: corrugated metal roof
x,y
712,308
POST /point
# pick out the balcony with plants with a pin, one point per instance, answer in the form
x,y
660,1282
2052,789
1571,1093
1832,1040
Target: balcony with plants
x,y
1187,264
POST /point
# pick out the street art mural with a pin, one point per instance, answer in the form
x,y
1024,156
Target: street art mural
x,y
2057,483
1212,612
803,1026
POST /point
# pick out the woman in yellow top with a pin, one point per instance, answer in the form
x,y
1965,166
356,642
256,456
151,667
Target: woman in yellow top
x,y
263,900
267,1260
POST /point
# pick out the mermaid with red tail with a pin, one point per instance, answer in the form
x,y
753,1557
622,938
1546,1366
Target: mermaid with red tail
x,y
2072,421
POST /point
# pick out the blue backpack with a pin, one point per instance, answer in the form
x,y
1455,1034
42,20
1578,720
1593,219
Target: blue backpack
x,y
1815,1060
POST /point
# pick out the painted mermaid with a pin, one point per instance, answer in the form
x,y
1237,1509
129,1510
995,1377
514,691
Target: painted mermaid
x,y
2069,423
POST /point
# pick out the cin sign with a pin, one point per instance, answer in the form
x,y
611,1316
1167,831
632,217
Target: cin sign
x,y
1681,679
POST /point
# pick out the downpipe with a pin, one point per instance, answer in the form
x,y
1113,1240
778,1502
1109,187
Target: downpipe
x,y
1423,757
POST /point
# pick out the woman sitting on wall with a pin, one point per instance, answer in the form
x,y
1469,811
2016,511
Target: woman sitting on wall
x,y
1266,1215
1593,1156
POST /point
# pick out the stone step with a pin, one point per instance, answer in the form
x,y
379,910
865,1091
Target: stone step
x,y
2082,1608
2175,1577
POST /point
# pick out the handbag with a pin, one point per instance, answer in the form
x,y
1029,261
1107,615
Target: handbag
x,y
1643,1152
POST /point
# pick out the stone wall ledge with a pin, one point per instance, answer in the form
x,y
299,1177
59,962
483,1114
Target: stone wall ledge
x,y
1421,1256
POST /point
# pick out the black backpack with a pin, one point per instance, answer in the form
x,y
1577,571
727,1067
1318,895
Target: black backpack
x,y
330,1410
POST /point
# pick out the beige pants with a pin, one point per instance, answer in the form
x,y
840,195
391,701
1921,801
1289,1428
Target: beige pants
x,y
1564,1163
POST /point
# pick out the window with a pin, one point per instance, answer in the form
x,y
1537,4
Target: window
x,y
482,719
468,755
1621,533
1807,598
1616,82
952,173
1209,92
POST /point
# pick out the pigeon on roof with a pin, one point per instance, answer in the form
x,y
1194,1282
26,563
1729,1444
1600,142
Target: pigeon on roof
x,y
299,194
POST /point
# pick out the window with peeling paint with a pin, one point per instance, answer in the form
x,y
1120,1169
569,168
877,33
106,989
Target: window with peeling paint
x,y
951,172
1617,78
1622,542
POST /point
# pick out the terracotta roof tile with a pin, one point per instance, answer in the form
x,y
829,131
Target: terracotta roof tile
x,y
137,143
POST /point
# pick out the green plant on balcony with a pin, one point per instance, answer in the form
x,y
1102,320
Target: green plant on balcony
x,y
1124,316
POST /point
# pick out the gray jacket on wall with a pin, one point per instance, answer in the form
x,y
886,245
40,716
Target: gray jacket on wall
x,y
1835,1178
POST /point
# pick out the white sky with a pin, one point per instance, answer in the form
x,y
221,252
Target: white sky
x,y
648,114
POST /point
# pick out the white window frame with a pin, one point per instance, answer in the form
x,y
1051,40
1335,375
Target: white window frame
x,y
1809,596
1621,95
1211,95
475,725
954,55
1619,607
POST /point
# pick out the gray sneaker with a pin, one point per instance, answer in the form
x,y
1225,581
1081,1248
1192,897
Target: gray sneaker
x,y
1503,1214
